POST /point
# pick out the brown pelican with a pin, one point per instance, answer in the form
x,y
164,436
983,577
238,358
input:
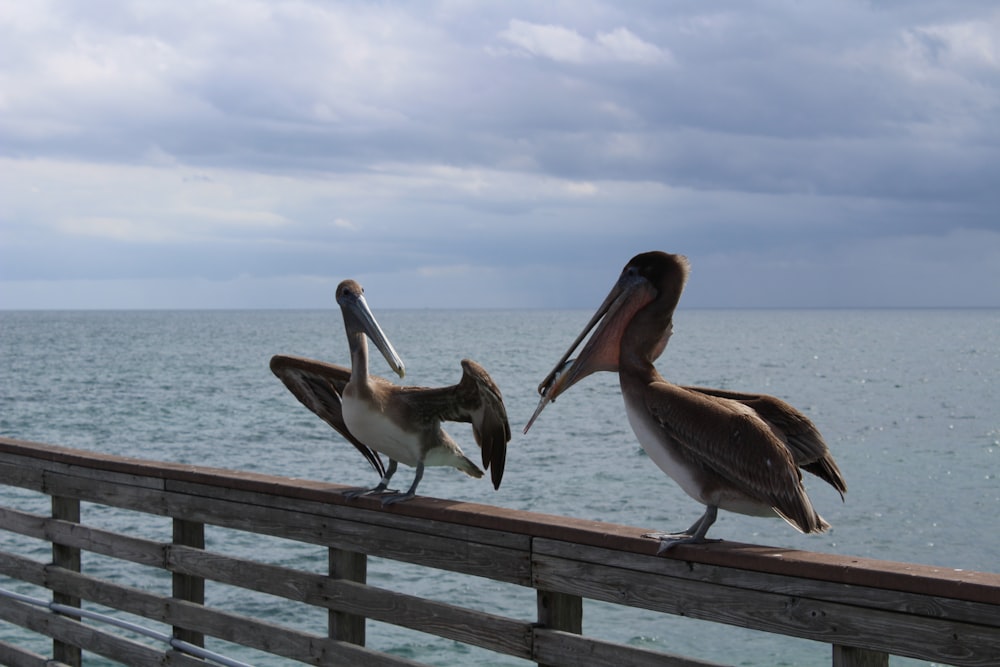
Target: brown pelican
x,y
739,452
404,423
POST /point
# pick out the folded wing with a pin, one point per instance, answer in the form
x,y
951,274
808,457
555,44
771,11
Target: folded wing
x,y
793,428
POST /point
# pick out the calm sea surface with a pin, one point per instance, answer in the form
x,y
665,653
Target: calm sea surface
x,y
908,400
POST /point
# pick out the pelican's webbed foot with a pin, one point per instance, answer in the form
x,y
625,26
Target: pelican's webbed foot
x,y
410,492
374,491
693,535
670,540
382,487
394,498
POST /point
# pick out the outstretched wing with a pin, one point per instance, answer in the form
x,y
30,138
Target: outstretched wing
x,y
482,399
803,439
476,399
318,386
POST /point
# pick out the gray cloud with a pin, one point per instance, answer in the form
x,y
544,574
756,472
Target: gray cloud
x,y
268,143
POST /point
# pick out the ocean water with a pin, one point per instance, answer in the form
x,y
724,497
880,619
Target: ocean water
x,y
908,401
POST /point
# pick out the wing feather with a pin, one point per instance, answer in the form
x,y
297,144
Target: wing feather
x,y
729,439
482,399
794,429
476,399
319,386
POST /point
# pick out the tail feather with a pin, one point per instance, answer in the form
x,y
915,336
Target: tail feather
x,y
827,470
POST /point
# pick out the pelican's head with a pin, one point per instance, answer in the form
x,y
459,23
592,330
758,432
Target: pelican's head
x,y
358,319
650,278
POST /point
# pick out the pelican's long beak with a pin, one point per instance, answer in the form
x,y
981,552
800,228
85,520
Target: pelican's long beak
x,y
366,322
631,293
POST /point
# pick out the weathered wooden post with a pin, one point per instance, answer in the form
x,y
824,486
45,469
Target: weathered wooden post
x,y
351,566
66,509
560,611
848,656
185,586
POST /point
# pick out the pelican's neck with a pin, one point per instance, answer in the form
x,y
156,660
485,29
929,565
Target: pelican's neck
x,y
643,342
638,367
646,335
359,357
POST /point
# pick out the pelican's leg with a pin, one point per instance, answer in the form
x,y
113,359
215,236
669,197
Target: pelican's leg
x,y
397,497
693,535
382,485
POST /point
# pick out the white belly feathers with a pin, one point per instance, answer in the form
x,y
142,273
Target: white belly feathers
x,y
651,438
372,426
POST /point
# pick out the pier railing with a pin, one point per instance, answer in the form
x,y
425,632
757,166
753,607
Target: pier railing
x,y
865,609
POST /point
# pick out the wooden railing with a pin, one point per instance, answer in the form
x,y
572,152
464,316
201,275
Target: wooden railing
x,y
865,609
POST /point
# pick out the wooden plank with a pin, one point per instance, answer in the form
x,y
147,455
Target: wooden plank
x,y
15,656
852,594
21,568
365,509
121,477
106,543
71,632
127,496
30,472
22,472
25,523
60,459
564,649
236,628
939,640
468,626
499,563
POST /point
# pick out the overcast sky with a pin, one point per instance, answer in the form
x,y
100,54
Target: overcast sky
x,y
245,153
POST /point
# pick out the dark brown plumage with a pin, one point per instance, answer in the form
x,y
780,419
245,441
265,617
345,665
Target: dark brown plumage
x,y
730,450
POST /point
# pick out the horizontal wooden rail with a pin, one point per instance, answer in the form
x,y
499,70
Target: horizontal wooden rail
x,y
866,609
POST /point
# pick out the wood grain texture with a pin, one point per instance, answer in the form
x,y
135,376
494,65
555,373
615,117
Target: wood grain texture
x,y
564,649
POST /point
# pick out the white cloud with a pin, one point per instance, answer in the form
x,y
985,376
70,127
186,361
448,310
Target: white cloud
x,y
584,189
969,43
116,229
623,46
563,44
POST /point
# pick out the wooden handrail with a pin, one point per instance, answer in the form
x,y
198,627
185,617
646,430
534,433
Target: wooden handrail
x,y
866,609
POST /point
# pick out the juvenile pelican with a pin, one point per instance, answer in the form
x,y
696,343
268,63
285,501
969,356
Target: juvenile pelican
x,y
404,423
739,452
